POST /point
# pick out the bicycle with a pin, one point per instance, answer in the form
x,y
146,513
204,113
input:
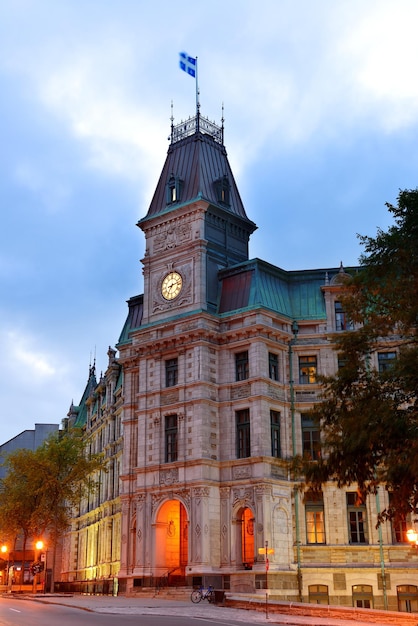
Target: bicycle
x,y
203,594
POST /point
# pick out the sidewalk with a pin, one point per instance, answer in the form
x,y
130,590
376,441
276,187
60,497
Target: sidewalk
x,y
156,606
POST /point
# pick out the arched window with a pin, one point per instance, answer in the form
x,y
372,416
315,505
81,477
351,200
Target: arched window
x,y
363,596
407,598
318,594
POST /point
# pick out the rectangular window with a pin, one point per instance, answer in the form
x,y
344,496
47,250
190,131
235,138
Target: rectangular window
x,y
314,512
171,372
399,526
341,362
399,530
273,366
241,366
311,442
275,434
243,433
170,438
307,369
341,321
386,361
357,518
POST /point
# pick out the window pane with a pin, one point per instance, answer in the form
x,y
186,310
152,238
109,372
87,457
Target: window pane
x,y
307,369
243,433
170,438
357,521
241,366
275,433
315,529
311,441
171,372
273,366
386,361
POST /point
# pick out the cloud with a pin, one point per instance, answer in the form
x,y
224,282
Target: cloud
x,y
382,51
25,357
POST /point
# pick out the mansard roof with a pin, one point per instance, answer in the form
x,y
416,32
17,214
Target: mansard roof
x,y
297,295
134,317
256,283
197,159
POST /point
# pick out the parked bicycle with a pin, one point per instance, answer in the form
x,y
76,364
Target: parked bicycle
x,y
203,594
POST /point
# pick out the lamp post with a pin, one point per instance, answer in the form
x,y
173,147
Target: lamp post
x,y
38,547
266,551
3,550
292,342
267,587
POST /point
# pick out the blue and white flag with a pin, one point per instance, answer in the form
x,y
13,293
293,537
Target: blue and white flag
x,y
188,64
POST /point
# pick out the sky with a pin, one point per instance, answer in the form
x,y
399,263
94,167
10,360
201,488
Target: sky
x,y
321,118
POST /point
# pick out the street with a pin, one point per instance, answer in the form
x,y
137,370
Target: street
x,y
24,612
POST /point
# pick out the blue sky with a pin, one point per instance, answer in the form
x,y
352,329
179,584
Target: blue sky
x,y
321,120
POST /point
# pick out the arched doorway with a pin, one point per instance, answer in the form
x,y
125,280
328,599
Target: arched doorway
x,y
247,538
171,539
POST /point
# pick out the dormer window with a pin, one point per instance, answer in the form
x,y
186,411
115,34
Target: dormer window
x,y
223,190
174,186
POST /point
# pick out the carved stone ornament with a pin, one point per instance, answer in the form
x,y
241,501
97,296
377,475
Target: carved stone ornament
x,y
243,495
169,476
241,472
183,495
171,235
201,492
156,499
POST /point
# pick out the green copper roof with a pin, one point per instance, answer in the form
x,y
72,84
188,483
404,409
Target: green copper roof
x,y
296,294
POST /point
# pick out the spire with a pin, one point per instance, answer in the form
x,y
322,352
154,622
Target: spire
x,y
197,167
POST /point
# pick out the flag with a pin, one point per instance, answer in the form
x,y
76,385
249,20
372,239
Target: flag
x,y
188,64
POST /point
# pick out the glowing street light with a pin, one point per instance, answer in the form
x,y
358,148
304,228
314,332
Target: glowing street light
x,y
5,550
38,547
412,537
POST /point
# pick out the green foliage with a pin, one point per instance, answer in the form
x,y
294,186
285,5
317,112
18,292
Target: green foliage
x,y
42,486
369,419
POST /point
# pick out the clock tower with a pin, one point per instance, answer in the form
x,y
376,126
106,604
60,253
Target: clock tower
x,y
196,224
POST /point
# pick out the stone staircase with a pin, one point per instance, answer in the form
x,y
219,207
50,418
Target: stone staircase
x,y
175,593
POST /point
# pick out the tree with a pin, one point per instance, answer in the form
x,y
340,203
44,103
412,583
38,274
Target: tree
x,y
42,486
369,418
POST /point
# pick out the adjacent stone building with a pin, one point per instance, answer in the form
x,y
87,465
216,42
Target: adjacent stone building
x,y
220,357
91,549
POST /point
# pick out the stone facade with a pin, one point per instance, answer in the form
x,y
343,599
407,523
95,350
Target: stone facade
x,y
220,358
91,550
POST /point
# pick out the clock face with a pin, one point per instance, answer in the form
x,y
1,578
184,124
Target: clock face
x,y
171,286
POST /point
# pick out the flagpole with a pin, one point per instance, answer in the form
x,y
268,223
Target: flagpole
x,y
197,102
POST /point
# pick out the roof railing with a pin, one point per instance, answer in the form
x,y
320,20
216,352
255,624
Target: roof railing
x,y
194,125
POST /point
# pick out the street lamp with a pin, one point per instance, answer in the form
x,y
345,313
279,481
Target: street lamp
x,y
4,549
38,547
412,537
266,551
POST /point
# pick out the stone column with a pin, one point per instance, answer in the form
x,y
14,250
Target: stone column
x,y
263,504
226,522
200,535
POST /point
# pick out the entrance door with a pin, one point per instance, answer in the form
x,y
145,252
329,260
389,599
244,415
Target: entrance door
x,y
247,538
171,539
